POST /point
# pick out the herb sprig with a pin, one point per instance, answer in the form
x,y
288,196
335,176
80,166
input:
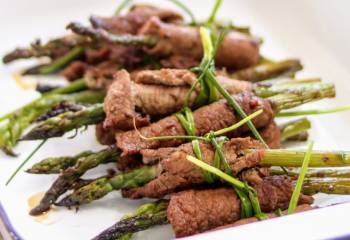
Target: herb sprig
x,y
296,193
242,189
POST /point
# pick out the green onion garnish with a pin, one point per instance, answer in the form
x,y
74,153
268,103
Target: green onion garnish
x,y
187,10
212,16
24,162
296,193
242,187
313,111
121,6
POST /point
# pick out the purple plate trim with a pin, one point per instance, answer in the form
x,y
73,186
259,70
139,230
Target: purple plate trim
x,y
10,229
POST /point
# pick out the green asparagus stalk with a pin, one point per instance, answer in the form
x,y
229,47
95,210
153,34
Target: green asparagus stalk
x,y
315,172
56,64
141,176
60,124
311,186
100,34
61,62
326,185
56,164
51,49
148,215
294,158
286,68
102,186
76,86
293,128
294,86
11,132
311,93
300,137
65,122
69,176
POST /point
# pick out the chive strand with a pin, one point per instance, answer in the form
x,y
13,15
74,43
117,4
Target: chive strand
x,y
239,124
187,10
233,103
217,172
297,190
313,111
121,6
24,162
212,16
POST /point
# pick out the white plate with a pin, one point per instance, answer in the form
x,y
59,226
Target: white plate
x,y
317,31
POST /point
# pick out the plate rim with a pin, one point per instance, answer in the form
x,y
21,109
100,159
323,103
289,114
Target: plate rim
x,y
8,225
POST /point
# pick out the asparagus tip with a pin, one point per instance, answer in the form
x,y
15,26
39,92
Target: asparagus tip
x,y
38,210
9,152
67,202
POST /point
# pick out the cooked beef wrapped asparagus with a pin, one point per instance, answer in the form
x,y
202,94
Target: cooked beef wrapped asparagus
x,y
146,95
180,46
212,117
194,211
174,172
134,19
79,52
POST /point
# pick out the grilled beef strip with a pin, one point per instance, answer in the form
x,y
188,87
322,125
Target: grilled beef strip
x,y
212,117
271,134
105,136
120,104
194,211
300,208
120,55
134,19
236,51
175,172
156,93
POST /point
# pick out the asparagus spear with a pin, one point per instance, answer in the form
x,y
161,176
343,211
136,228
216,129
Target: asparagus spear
x,y
315,172
141,176
22,118
62,107
328,185
311,93
291,129
50,49
65,122
100,34
57,164
69,176
76,86
148,215
60,62
286,68
102,186
310,186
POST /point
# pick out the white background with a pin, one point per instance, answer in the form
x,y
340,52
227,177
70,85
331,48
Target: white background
x,y
317,31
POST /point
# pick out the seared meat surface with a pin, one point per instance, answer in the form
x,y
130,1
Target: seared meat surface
x,y
134,19
211,117
195,211
176,172
236,51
